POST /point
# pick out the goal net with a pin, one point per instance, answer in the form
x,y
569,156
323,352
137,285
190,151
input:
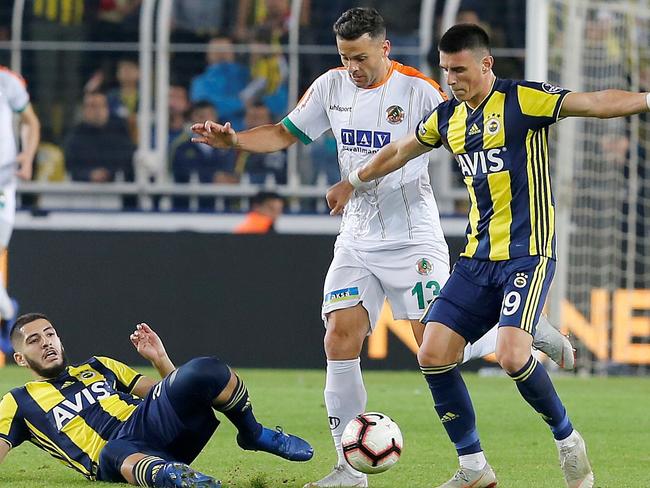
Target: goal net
x,y
601,172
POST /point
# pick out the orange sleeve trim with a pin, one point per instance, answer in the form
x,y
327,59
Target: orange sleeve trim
x,y
14,74
410,71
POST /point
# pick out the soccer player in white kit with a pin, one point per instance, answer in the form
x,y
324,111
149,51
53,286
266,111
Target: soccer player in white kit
x,y
390,243
13,99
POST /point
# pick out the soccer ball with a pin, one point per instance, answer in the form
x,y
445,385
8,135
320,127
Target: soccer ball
x,y
372,443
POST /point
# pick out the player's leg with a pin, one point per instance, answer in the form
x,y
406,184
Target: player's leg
x,y
125,460
352,302
208,382
526,285
466,301
8,307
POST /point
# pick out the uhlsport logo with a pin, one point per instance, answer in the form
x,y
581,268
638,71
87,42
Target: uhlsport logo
x,y
365,138
424,266
395,114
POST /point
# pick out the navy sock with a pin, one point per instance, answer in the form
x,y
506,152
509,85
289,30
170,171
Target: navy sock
x,y
537,389
454,406
239,411
146,469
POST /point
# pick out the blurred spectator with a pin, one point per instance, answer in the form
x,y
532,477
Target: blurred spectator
x,y
260,166
324,160
49,164
56,74
115,21
274,14
179,107
266,207
221,82
269,72
123,100
210,165
98,147
196,22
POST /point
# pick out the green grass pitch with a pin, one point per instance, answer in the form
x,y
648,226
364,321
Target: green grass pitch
x,y
611,413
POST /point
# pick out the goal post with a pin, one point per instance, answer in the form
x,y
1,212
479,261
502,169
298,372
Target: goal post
x,y
601,177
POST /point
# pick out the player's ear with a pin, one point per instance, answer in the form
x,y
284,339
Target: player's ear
x,y
386,47
20,359
486,63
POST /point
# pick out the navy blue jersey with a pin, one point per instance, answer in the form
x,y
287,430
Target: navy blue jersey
x,y
73,415
501,148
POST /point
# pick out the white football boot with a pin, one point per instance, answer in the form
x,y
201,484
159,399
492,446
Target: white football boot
x,y
341,477
554,344
575,464
470,478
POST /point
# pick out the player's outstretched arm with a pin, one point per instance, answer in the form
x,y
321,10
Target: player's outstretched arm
x,y
4,450
605,104
262,139
150,346
390,158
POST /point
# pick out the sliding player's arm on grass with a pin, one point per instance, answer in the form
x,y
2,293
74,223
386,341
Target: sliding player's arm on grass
x,y
150,346
4,450
390,158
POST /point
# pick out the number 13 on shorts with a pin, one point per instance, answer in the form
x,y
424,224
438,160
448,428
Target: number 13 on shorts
x,y
425,291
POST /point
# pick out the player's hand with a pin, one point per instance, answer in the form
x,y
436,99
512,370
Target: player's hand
x,y
214,134
338,195
24,171
147,343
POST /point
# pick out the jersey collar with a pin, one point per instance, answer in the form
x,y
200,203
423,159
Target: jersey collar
x,y
391,68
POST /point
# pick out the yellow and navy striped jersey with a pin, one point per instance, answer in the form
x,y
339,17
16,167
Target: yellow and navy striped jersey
x,y
72,416
501,148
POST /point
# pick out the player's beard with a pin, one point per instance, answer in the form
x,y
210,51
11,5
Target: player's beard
x,y
50,372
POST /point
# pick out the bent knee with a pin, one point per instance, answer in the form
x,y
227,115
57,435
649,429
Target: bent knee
x,y
344,340
428,357
209,373
511,361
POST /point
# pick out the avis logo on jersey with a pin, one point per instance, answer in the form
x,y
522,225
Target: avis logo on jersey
x,y
68,409
481,162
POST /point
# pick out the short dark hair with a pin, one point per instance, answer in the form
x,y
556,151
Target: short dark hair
x,y
358,21
21,322
464,36
263,196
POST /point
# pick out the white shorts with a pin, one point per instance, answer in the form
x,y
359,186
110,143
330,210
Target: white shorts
x,y
7,213
408,277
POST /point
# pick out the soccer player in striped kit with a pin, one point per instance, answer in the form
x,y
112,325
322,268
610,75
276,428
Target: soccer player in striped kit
x,y
498,132
390,243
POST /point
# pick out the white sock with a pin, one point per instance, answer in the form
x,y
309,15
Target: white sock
x,y
484,346
345,398
570,441
6,307
474,461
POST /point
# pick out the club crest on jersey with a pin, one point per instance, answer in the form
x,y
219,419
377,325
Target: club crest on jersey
x,y
493,124
520,280
395,114
86,375
548,88
424,266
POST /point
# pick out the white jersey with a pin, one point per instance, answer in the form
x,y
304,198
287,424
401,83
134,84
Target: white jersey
x,y
399,209
13,98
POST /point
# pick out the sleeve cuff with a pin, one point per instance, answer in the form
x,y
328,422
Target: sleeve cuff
x,y
291,127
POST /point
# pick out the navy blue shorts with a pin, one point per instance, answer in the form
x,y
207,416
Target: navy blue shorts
x,y
171,423
479,294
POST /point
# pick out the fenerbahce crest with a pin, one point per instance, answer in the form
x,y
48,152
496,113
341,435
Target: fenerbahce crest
x,y
424,266
395,114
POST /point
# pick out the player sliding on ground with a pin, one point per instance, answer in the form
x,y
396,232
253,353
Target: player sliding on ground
x,y
498,132
110,423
